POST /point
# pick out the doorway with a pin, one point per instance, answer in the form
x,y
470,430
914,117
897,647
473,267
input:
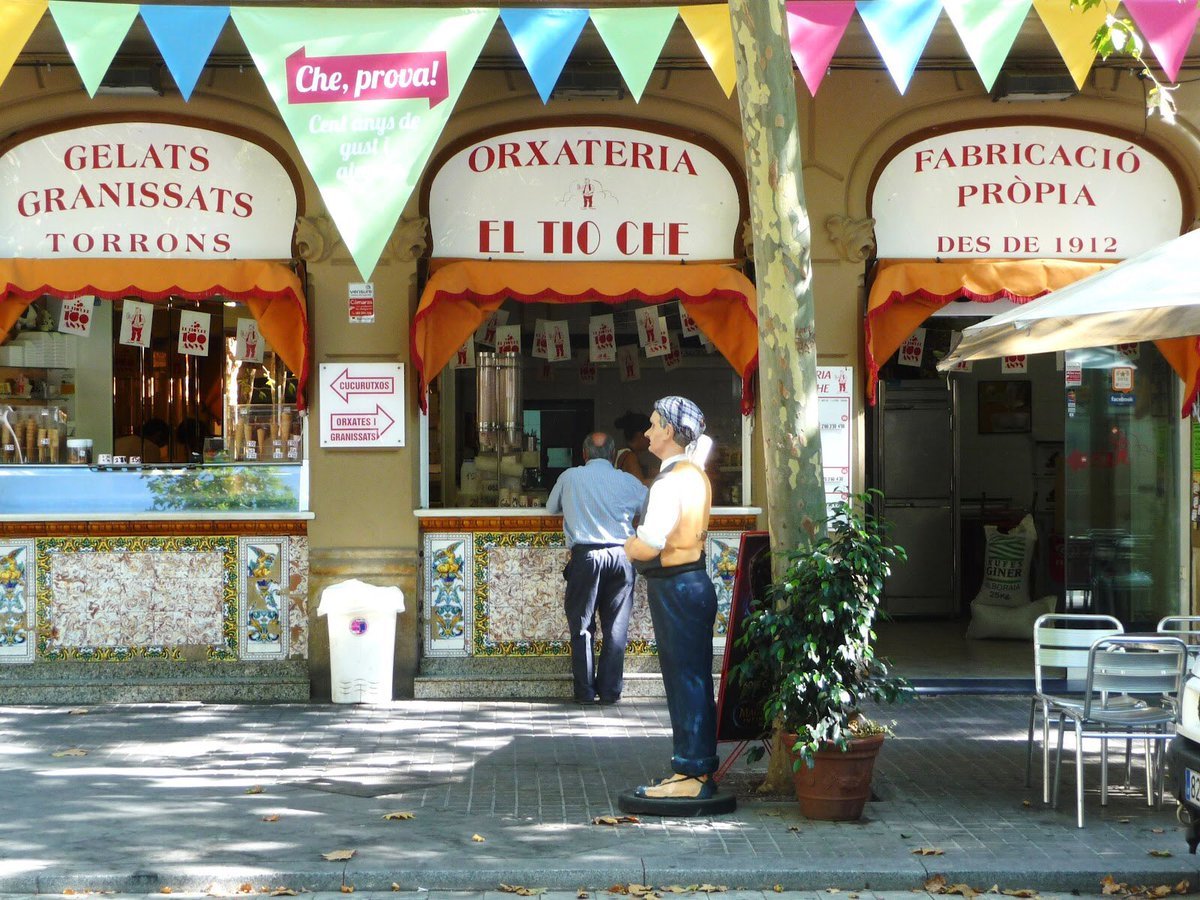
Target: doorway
x,y
1080,451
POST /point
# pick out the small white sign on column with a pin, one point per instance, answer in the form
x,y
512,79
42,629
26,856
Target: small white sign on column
x,y
362,405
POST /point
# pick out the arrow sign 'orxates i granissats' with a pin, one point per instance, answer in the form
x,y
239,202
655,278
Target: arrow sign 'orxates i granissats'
x,y
376,76
345,384
360,427
362,405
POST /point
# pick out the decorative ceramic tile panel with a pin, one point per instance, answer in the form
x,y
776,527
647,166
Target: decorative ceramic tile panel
x,y
447,584
525,595
264,609
297,597
109,598
722,556
18,634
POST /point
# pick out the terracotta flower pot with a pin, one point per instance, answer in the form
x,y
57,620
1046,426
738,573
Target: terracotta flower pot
x,y
838,785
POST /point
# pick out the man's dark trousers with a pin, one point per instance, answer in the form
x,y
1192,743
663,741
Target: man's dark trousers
x,y
683,609
599,581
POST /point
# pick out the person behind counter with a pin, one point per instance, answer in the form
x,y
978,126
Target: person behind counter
x,y
598,505
634,426
668,551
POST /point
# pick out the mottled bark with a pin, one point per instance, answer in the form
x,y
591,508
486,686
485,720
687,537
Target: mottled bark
x,y
787,352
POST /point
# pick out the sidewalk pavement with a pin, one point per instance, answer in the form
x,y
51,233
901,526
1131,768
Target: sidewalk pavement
x,y
215,798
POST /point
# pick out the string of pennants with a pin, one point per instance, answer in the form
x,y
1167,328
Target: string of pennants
x,y
544,37
551,342
363,91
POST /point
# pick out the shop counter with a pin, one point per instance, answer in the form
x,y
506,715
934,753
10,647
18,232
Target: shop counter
x,y
492,586
157,583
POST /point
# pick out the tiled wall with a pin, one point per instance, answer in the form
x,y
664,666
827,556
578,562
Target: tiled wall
x,y
500,594
119,598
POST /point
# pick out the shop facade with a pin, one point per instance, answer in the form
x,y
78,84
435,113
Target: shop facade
x,y
480,569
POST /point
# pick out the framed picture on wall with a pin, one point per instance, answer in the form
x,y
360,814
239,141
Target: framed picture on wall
x,y
1005,407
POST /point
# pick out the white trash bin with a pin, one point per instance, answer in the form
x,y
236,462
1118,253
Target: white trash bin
x,y
362,639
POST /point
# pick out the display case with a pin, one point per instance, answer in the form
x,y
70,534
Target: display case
x,y
262,432
36,414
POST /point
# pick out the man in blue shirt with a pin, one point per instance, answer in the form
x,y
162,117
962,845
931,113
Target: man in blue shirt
x,y
598,504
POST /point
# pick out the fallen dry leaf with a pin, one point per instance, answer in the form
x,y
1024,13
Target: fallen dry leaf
x,y
1161,854
478,838
1021,892
616,820
283,892
68,892
1109,885
399,816
337,855
77,712
74,751
165,890
347,889
935,884
1124,820
677,889
581,894
1163,890
778,888
929,851
1158,831
962,890
618,889
274,817
396,887
256,789
1027,803
833,890
795,828
520,890
245,888
711,888
1183,887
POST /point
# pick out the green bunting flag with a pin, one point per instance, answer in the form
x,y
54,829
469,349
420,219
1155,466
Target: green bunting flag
x,y
635,38
988,29
93,33
365,94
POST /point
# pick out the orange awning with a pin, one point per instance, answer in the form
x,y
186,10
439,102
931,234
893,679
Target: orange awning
x,y
905,293
270,290
460,296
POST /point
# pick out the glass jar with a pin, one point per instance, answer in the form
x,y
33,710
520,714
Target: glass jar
x,y
79,451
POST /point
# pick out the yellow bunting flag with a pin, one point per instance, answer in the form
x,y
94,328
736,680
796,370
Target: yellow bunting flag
x,y
1072,31
18,18
713,33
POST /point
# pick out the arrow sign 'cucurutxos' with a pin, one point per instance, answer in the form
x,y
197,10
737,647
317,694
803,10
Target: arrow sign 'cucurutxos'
x,y
375,76
346,384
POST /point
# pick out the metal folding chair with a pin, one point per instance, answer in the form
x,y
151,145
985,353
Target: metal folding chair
x,y
1186,628
1147,668
1060,640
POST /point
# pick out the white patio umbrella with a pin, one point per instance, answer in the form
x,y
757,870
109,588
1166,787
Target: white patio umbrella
x,y
1152,296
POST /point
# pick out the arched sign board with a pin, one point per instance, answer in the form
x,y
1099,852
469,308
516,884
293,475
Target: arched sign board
x,y
144,190
584,192
1024,191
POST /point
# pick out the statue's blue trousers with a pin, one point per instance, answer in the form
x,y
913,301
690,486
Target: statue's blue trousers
x,y
683,609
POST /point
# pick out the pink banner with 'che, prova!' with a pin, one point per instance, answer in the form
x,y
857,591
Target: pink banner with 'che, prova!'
x,y
376,76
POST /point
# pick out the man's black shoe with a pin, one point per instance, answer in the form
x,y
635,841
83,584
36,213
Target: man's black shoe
x,y
610,701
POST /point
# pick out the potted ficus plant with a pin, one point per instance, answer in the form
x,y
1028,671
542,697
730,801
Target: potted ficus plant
x,y
809,659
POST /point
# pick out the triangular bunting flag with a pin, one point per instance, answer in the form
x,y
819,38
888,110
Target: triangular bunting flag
x,y
544,38
93,33
987,29
814,29
185,36
900,30
713,34
1168,26
635,38
1072,31
18,18
365,94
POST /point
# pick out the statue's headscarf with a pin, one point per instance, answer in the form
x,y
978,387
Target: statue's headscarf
x,y
683,415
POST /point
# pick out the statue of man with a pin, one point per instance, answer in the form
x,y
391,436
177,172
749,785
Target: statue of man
x,y
668,550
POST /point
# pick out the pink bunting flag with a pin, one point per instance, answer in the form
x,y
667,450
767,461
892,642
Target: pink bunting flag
x,y
1168,26
815,27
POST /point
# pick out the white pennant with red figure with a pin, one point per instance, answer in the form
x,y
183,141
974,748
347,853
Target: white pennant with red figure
x,y
588,371
194,332
75,316
540,339
687,324
674,357
558,341
602,339
629,368
137,319
486,333
661,343
249,341
647,323
464,356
